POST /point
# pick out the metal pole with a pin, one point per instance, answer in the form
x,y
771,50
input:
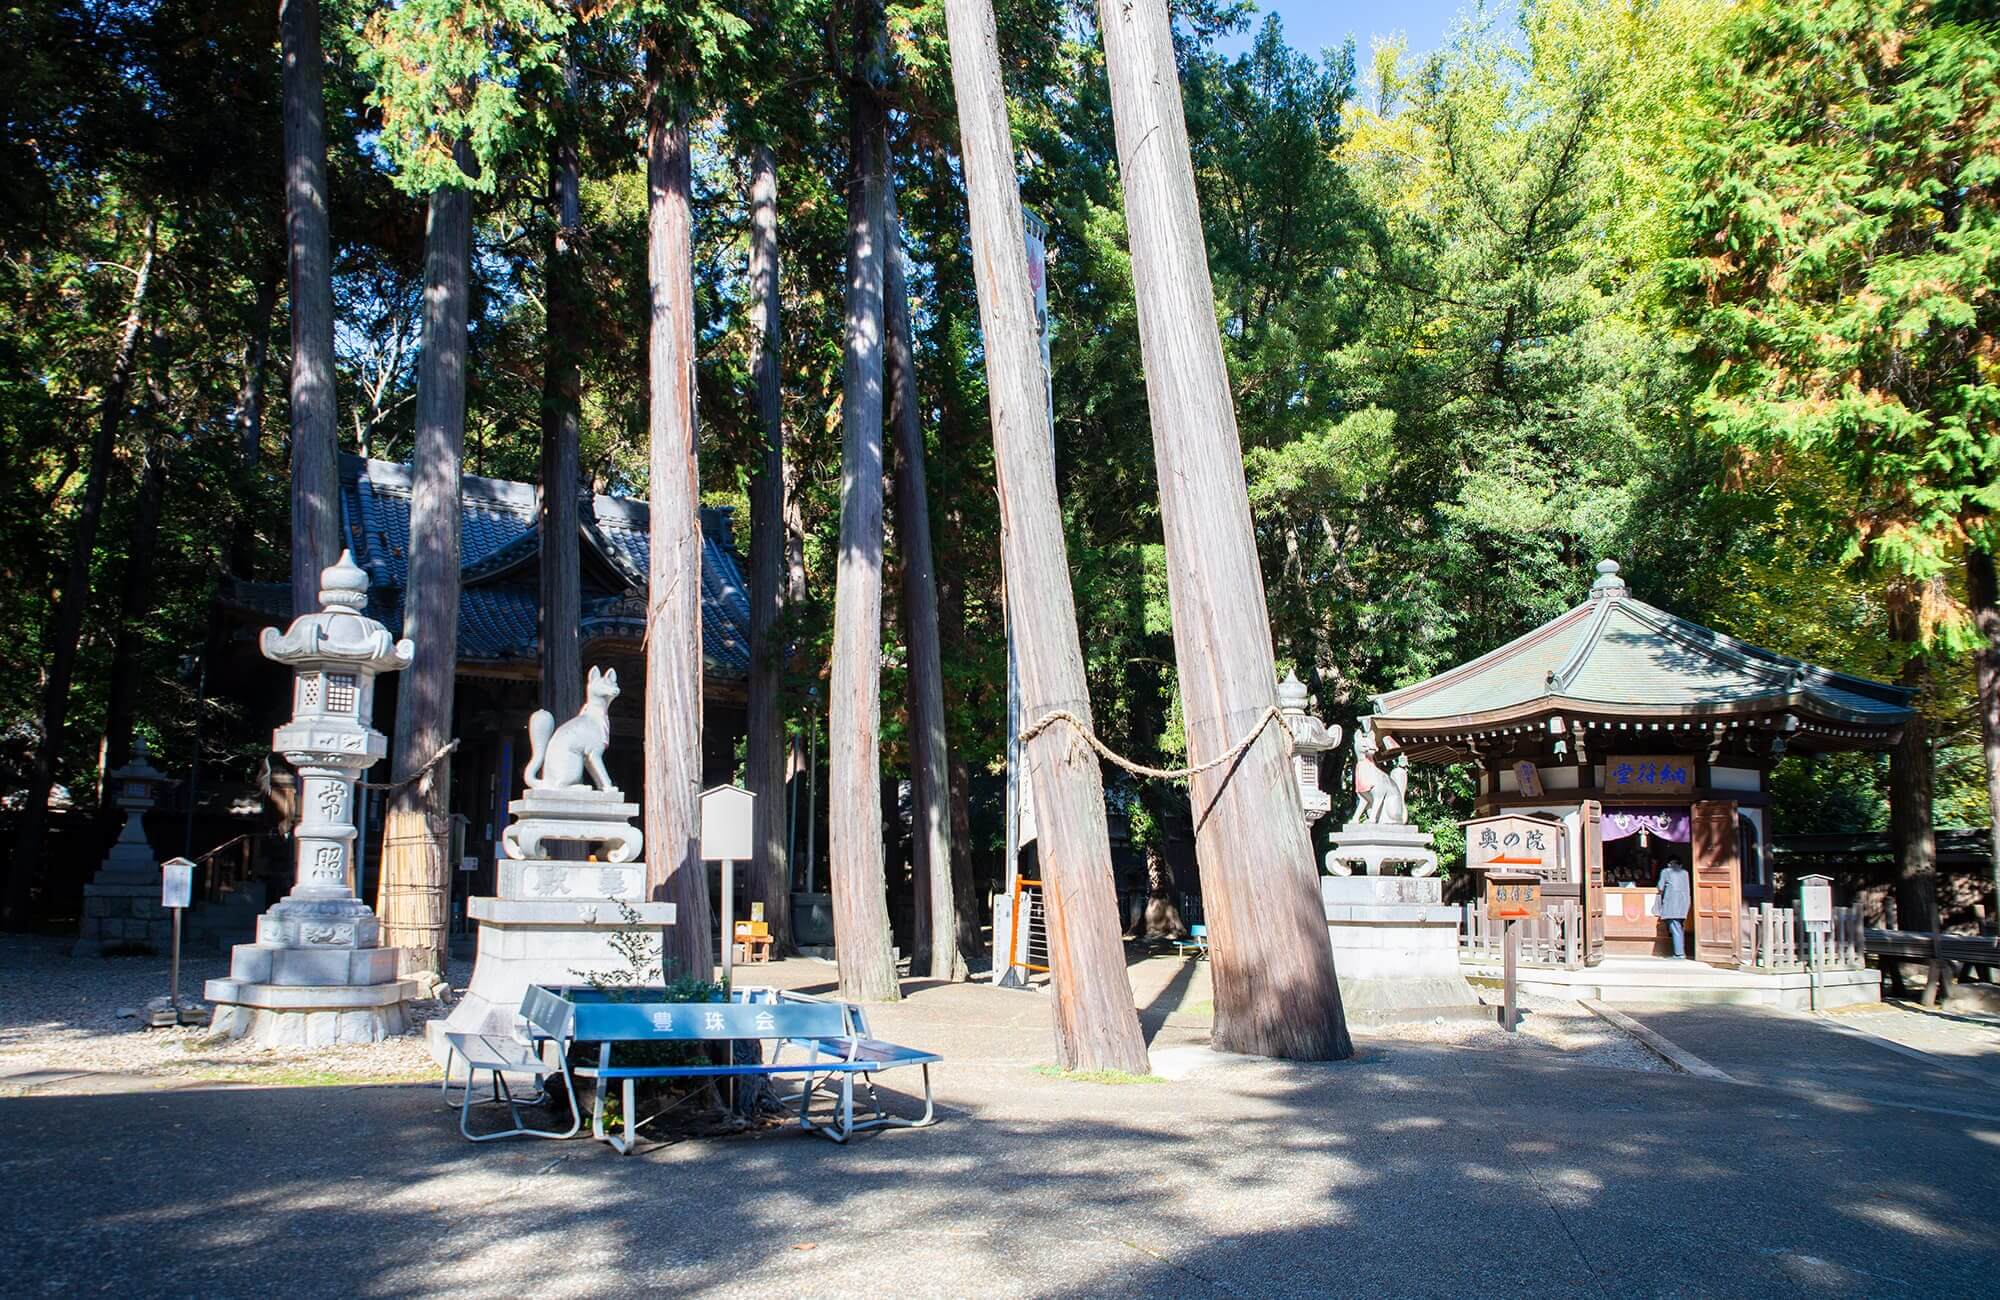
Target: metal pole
x,y
728,917
174,979
1510,1013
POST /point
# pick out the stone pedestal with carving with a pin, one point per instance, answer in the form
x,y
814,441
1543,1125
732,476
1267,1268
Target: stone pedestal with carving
x,y
317,973
1395,948
553,921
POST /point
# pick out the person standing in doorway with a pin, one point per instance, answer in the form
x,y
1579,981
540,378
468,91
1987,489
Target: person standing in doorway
x,y
1675,895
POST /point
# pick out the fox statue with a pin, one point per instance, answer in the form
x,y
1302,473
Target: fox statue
x,y
558,757
1380,797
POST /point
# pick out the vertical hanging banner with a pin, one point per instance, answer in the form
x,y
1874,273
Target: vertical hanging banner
x,y
1020,813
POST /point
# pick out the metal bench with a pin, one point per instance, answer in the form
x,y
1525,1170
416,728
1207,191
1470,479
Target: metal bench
x,y
1195,945
830,1038
550,1021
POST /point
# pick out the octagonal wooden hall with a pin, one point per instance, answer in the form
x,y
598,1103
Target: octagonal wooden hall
x,y
1649,739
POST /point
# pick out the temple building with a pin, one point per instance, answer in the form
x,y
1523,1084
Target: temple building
x,y
1618,738
499,641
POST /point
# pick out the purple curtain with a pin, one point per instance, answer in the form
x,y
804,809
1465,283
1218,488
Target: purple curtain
x,y
1670,824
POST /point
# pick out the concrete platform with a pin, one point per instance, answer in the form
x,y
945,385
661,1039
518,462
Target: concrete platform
x,y
1665,981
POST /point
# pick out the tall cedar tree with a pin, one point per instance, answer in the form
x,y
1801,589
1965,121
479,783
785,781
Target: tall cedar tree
x,y
1096,1025
1275,993
936,939
674,871
315,435
854,730
1845,289
765,752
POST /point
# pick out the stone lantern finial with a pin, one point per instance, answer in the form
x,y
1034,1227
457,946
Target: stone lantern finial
x,y
1292,694
343,584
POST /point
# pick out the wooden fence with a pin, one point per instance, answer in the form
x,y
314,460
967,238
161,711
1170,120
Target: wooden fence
x,y
1771,938
1774,939
1554,938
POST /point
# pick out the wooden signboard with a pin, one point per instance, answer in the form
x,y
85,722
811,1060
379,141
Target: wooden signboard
x,y
1513,898
1649,774
1515,842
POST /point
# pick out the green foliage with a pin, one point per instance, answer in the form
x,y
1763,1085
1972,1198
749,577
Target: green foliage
x,y
1842,254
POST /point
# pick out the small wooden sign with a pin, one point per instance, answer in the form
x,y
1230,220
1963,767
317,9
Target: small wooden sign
x,y
1528,778
1649,774
1512,897
725,823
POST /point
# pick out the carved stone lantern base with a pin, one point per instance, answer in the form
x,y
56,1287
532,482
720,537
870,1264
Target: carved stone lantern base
x,y
316,976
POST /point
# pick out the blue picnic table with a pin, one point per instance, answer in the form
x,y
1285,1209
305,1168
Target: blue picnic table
x,y
824,1044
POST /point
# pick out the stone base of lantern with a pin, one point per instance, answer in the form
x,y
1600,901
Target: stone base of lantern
x,y
314,977
561,939
121,918
1395,949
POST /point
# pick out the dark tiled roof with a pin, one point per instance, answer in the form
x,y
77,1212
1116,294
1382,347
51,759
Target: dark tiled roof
x,y
498,547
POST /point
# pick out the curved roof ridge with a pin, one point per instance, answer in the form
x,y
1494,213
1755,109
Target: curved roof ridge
x,y
1560,677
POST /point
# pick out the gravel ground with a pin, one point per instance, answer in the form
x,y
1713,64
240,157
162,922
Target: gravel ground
x,y
1547,1025
64,1014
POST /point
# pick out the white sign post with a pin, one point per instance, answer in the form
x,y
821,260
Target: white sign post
x,y
726,815
1816,917
176,895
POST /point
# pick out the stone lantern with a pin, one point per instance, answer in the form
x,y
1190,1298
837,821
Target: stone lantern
x,y
121,905
1311,739
317,973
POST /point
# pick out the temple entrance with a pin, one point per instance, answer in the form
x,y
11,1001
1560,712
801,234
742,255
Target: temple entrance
x,y
1638,845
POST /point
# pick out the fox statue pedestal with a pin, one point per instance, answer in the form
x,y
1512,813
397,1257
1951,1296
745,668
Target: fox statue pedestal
x,y
554,921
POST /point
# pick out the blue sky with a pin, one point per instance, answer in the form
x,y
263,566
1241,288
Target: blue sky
x,y
1314,24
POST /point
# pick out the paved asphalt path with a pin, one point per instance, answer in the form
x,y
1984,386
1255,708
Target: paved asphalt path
x,y
1824,1057
1413,1170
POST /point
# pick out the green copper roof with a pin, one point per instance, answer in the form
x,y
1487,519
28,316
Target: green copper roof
x,y
1614,654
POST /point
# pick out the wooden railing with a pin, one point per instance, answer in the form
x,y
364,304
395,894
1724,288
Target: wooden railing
x,y
1774,939
1553,938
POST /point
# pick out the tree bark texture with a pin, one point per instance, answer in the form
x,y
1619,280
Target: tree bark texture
x,y
135,605
674,871
248,420
930,779
854,759
1911,782
1096,1027
315,438
1982,593
66,629
562,396
1275,992
765,751
415,867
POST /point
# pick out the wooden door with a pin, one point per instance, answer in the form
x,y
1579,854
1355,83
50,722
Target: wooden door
x,y
1591,833
1718,883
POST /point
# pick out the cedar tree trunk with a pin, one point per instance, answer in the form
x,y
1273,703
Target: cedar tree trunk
x,y
854,759
1275,992
770,870
1096,1027
1911,782
415,850
674,871
1982,593
315,440
562,396
930,781
248,420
